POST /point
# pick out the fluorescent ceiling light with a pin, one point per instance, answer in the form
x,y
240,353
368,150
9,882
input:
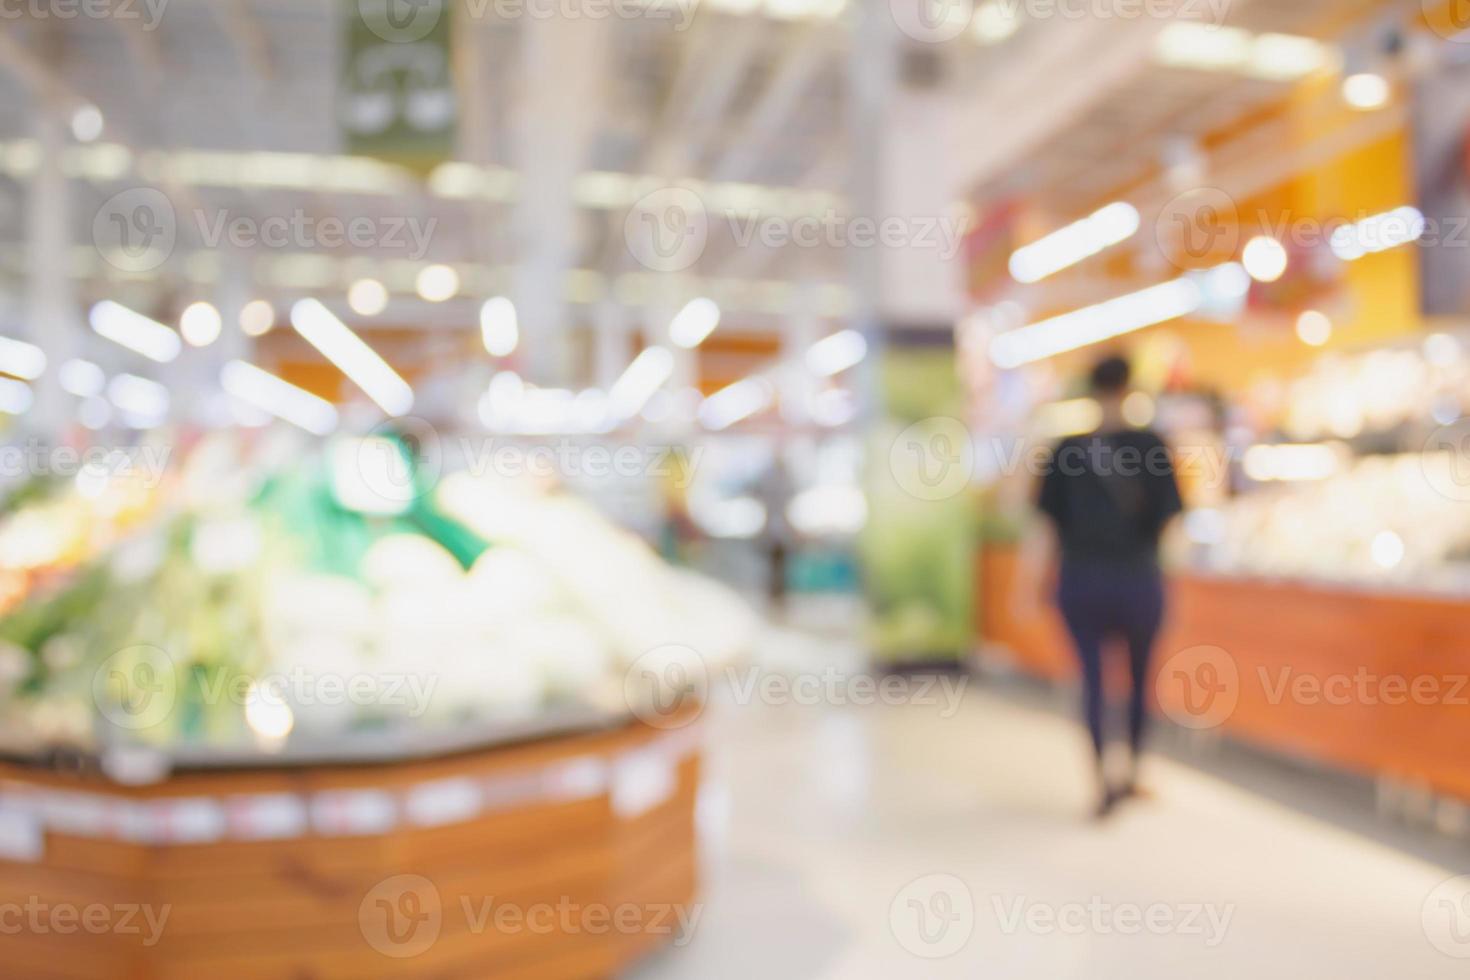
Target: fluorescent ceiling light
x,y
996,21
1314,328
200,324
282,399
836,353
145,402
367,297
1378,233
739,401
135,331
353,357
695,322
1092,324
1273,57
15,396
639,381
86,123
21,359
499,330
257,317
81,378
1265,259
1080,240
437,283
1366,91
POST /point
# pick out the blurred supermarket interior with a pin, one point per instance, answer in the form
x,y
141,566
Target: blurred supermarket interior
x,y
547,488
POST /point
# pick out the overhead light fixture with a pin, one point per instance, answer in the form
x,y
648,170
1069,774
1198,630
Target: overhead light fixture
x,y
94,413
367,297
499,330
1265,259
648,372
257,317
1080,240
144,403
86,123
695,322
995,21
21,359
134,331
200,324
1272,57
836,353
1093,324
16,397
735,403
354,358
1366,91
1314,328
81,378
1379,233
437,283
279,397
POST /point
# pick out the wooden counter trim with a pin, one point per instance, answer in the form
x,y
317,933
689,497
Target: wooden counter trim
x,y
300,907
1316,671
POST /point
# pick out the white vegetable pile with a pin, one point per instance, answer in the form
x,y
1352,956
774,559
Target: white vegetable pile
x,y
559,607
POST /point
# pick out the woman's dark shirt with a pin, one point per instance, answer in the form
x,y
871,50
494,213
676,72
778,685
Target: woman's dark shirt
x,y
1110,496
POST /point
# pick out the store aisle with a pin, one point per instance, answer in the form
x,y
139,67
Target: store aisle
x,y
854,842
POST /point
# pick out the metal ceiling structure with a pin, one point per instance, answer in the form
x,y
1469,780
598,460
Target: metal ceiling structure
x,y
563,126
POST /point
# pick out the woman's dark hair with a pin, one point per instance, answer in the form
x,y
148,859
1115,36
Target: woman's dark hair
x,y
1110,376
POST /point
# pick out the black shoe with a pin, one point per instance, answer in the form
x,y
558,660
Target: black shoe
x,y
1106,805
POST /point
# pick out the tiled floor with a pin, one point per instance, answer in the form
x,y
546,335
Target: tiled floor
x,y
903,840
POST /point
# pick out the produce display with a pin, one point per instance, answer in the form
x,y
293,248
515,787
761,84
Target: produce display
x,y
287,590
1379,521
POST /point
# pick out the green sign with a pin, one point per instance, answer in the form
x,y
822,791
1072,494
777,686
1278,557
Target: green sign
x,y
918,549
397,94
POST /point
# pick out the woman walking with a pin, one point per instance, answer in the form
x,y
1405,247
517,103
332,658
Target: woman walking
x,y
1108,495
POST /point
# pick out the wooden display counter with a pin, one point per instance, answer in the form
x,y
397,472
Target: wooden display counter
x,y
567,857
1373,682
